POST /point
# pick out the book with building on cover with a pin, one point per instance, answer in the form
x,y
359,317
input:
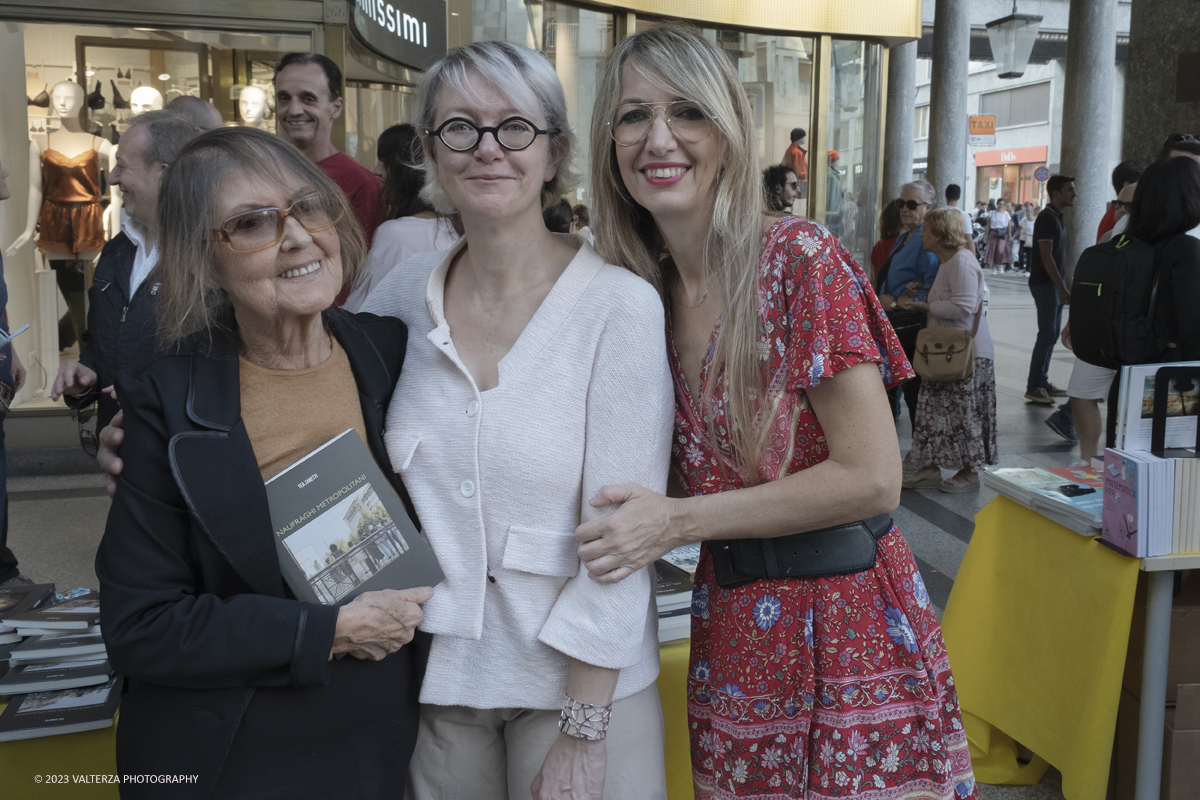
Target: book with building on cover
x,y
341,530
76,613
69,711
19,599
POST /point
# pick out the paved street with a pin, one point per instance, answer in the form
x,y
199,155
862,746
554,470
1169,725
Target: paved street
x,y
56,521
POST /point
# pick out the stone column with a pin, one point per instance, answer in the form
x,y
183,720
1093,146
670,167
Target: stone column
x,y
898,133
948,95
1087,108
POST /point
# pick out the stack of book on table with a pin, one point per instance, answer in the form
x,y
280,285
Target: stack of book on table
x,y
57,670
1071,496
675,573
1152,477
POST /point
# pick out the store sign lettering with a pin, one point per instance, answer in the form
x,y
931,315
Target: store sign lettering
x,y
412,33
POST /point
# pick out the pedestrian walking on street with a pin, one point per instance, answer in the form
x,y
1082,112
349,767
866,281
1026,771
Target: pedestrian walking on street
x,y
957,419
1048,285
998,252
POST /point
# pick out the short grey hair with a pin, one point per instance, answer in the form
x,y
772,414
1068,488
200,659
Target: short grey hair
x,y
167,132
924,189
525,78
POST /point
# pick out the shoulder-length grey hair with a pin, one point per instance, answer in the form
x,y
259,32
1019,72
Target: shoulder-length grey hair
x,y
683,63
189,213
526,79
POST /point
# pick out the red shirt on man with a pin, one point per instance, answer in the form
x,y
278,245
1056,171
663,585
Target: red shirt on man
x,y
795,160
363,190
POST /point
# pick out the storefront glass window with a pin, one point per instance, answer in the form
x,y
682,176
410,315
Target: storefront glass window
x,y
852,161
777,72
575,40
372,108
123,72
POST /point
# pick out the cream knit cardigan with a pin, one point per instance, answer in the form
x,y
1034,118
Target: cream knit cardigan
x,y
500,479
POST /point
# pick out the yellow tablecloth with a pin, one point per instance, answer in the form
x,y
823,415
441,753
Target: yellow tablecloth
x,y
74,754
1037,626
672,688
93,752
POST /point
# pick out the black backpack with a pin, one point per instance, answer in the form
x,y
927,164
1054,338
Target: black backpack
x,y
1112,304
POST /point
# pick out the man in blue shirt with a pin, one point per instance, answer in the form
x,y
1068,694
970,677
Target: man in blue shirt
x,y
909,263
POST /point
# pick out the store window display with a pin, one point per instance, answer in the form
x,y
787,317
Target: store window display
x,y
145,98
123,71
252,106
64,202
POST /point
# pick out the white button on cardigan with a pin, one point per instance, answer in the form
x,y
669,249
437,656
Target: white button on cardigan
x,y
584,400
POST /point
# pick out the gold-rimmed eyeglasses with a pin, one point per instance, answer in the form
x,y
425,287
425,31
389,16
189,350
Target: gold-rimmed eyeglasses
x,y
631,122
260,228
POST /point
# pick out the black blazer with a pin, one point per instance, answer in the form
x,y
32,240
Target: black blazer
x,y
194,610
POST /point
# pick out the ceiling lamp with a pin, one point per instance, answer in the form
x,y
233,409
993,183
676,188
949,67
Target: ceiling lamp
x,y
1012,39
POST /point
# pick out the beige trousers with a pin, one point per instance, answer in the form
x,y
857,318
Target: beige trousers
x,y
495,753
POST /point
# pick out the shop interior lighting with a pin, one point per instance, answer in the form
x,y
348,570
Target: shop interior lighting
x,y
164,77
1012,39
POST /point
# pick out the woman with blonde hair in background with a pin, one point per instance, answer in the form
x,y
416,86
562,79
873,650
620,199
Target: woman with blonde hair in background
x,y
956,420
813,677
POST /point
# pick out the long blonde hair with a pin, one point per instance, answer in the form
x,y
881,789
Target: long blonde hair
x,y
681,61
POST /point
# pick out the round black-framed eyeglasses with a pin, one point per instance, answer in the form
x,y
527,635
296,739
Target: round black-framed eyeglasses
x,y
461,135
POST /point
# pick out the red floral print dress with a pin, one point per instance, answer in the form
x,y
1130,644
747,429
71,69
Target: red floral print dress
x,y
832,687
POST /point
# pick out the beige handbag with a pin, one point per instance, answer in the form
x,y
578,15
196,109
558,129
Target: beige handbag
x,y
946,354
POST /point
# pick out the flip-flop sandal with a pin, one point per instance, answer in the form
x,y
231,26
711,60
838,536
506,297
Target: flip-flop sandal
x,y
959,487
912,482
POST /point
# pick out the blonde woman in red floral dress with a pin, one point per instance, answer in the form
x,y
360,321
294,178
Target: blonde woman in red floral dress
x,y
821,687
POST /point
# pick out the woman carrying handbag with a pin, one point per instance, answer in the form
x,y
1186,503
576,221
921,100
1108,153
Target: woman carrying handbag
x,y
956,409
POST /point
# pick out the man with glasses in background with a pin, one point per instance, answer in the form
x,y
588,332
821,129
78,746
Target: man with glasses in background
x,y
122,325
308,98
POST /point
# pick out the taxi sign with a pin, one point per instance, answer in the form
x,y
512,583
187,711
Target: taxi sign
x,y
982,130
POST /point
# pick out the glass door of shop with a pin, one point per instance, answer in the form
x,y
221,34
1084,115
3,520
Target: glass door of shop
x,y
372,108
777,73
854,126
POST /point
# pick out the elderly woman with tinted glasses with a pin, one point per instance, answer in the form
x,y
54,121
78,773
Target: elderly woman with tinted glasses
x,y
230,677
534,376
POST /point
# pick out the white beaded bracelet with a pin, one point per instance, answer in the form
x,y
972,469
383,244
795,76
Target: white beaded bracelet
x,y
584,720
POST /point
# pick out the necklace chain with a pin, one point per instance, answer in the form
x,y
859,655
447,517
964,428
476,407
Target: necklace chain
x,y
703,297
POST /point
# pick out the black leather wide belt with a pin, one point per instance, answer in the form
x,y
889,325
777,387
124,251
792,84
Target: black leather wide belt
x,y
839,550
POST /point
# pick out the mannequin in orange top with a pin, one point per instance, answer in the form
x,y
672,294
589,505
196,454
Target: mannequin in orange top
x,y
64,201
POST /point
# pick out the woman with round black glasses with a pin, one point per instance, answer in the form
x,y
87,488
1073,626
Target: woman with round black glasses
x,y
535,374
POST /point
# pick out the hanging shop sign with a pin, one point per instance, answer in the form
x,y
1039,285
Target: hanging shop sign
x,y
409,32
982,130
1013,155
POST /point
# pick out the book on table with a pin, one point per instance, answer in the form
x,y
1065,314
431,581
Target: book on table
x,y
75,613
1136,403
673,599
1139,507
19,599
57,646
55,676
341,530
68,711
1071,496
